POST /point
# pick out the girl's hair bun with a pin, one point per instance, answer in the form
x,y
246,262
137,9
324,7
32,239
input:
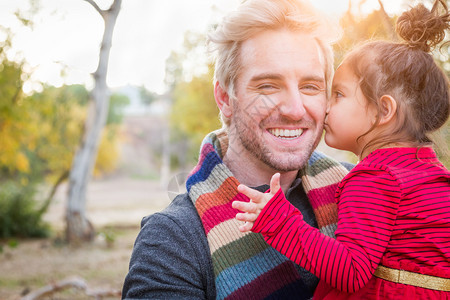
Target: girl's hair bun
x,y
423,29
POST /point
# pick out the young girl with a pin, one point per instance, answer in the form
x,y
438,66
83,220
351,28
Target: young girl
x,y
393,236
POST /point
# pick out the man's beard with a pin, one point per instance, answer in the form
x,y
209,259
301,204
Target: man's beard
x,y
250,136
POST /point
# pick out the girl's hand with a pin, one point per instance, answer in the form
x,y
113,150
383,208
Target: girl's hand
x,y
258,200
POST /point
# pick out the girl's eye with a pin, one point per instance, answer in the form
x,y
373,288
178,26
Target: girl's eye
x,y
337,94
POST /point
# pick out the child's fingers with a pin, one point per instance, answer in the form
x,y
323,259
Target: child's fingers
x,y
246,217
255,195
275,183
249,207
246,227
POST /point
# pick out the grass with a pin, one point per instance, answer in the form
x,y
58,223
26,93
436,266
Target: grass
x,y
39,262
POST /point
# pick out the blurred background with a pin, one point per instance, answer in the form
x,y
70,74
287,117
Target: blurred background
x,y
127,158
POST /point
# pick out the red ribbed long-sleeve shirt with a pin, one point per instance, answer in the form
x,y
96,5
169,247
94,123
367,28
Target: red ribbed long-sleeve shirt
x,y
393,209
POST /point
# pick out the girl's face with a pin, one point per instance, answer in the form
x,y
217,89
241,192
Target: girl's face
x,y
349,115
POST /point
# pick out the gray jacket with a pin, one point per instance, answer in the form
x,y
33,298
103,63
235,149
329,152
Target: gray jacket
x,y
171,258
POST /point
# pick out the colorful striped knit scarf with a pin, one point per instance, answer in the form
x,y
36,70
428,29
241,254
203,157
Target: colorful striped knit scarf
x,y
245,266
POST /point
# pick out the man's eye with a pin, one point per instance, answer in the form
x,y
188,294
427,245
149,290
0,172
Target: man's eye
x,y
311,89
265,87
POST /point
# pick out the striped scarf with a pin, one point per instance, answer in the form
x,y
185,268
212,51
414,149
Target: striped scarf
x,y
245,266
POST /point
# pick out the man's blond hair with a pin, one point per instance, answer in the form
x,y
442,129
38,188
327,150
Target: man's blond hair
x,y
255,16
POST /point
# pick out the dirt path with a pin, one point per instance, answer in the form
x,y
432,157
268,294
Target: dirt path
x,y
117,203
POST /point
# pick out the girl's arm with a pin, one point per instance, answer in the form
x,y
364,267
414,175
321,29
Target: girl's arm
x,y
367,211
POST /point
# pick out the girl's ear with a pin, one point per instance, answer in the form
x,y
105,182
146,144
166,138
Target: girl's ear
x,y
388,108
222,100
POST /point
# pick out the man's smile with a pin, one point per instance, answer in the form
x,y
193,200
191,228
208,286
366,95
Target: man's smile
x,y
286,133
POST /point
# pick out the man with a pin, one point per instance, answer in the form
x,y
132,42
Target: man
x,y
272,73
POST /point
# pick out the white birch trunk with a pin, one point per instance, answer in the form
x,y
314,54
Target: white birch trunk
x,y
166,149
165,162
78,227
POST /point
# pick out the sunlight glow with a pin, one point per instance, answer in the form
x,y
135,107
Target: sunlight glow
x,y
67,34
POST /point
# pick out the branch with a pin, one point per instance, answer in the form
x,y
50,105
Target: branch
x,y
17,93
115,6
97,8
75,282
50,289
361,3
49,199
349,13
387,22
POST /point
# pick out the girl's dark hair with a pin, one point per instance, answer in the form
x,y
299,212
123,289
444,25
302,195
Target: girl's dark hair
x,y
407,72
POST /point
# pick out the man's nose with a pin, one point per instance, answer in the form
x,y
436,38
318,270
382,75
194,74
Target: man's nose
x,y
292,105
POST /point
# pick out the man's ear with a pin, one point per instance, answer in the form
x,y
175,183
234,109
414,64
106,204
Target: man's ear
x,y
388,108
222,100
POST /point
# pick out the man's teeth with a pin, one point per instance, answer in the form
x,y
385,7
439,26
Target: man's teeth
x,y
286,133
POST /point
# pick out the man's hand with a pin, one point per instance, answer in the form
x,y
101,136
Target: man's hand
x,y
258,200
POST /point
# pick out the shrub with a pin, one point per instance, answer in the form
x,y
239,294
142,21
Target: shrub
x,y
19,215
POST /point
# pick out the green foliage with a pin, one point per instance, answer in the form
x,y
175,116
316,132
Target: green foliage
x,y
42,144
442,141
60,113
442,57
27,16
109,236
39,135
19,136
195,112
108,152
117,103
147,97
13,243
19,216
15,131
357,30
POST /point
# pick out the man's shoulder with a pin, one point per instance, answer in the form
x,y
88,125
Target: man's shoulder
x,y
171,257
180,212
180,207
178,226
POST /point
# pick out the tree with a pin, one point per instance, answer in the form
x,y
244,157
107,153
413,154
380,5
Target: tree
x,y
194,112
357,29
147,97
78,227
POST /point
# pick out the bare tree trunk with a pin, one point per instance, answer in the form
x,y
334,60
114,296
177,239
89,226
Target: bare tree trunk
x,y
78,227
166,149
165,161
